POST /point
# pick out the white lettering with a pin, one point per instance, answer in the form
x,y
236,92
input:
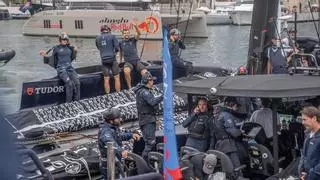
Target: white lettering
x,y
55,89
61,88
37,90
49,90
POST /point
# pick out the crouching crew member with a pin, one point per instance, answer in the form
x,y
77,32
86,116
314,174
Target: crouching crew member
x,y
109,132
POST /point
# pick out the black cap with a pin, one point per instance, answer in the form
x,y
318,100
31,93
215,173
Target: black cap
x,y
292,31
105,27
232,100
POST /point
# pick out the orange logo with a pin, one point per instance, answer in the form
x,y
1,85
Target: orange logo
x,y
150,25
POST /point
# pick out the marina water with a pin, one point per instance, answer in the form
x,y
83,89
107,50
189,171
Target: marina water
x,y
226,46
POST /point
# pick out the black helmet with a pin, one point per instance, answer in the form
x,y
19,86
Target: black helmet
x,y
231,100
104,27
63,36
146,77
111,114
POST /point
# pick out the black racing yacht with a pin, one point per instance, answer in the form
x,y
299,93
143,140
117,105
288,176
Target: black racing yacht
x,y
64,135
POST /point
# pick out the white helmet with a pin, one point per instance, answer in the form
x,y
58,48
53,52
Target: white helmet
x,y
174,32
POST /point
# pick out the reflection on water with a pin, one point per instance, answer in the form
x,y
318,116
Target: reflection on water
x,y
226,46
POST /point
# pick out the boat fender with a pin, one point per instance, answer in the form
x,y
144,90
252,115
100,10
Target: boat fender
x,y
213,90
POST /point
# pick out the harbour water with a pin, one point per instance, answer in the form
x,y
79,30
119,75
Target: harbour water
x,y
226,46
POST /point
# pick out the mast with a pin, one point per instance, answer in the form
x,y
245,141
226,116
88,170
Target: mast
x,y
263,27
262,30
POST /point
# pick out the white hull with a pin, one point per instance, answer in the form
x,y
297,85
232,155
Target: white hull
x,y
218,19
86,23
197,25
241,17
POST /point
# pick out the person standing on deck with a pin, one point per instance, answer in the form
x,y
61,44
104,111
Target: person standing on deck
x,y
175,44
109,132
129,52
108,46
277,58
309,165
227,132
63,55
146,103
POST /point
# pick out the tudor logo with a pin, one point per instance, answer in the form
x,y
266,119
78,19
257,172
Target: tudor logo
x,y
44,90
29,91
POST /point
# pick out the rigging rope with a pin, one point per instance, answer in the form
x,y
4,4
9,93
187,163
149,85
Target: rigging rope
x,y
315,26
144,41
178,13
185,30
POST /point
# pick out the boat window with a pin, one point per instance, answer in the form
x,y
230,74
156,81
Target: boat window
x,y
109,6
46,23
60,24
78,24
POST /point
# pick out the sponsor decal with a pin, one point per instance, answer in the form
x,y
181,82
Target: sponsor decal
x,y
114,21
149,25
44,90
30,91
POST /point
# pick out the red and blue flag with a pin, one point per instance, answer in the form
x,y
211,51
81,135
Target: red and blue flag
x,y
171,168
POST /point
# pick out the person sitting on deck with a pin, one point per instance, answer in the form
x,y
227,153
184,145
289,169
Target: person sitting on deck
x,y
109,132
63,55
129,52
175,44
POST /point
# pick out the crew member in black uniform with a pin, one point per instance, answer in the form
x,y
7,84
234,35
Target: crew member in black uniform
x,y
146,103
108,46
199,125
63,55
129,52
175,44
109,132
227,131
277,58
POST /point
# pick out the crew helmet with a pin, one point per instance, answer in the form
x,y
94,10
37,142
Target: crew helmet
x,y
111,114
146,77
63,36
104,27
175,32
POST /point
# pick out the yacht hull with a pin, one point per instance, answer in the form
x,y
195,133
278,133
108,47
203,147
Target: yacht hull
x,y
195,27
86,23
218,19
241,17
